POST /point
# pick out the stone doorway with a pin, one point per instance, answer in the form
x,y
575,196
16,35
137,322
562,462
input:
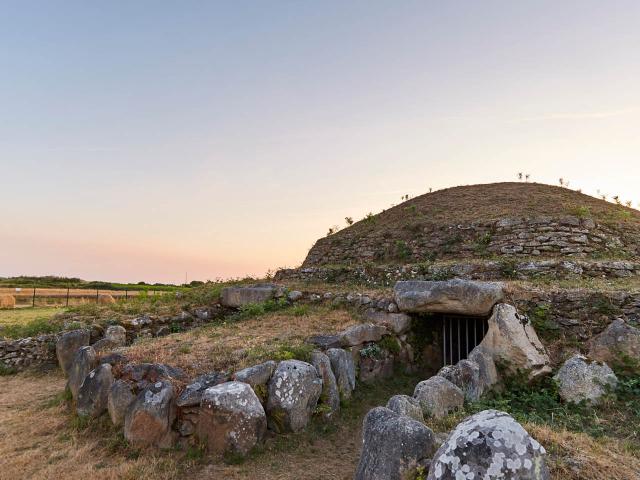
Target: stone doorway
x,y
445,339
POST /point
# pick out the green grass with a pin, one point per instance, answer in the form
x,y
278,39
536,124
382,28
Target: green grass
x,y
29,322
539,403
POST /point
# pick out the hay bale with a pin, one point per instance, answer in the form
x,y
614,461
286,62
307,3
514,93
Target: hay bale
x,y
7,301
105,299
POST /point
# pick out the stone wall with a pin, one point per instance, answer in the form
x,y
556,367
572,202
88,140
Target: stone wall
x,y
568,236
25,352
505,269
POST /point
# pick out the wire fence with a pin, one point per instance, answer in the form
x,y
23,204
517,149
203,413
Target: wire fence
x,y
22,297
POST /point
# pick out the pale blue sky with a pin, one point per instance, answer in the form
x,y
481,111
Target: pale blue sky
x,y
140,140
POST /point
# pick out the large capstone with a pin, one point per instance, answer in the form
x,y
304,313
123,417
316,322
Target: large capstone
x,y
93,394
512,341
294,390
465,297
330,396
67,346
617,341
581,380
84,361
489,445
393,446
344,369
231,418
438,396
236,297
149,418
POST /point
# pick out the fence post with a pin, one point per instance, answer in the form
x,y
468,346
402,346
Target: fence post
x,y
33,303
97,294
126,295
67,295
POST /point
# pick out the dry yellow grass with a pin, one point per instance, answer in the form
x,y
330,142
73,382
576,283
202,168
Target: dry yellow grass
x,y
235,345
38,441
577,456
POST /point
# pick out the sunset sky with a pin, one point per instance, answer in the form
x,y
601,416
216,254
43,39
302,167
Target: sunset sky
x,y
145,140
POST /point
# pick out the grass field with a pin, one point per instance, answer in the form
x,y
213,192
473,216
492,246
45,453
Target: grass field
x,y
22,316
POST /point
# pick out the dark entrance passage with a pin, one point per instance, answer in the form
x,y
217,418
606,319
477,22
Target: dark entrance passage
x,y
444,339
460,335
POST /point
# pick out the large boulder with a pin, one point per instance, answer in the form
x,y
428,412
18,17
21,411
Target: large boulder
x,y
363,333
580,380
617,341
236,297
512,341
84,361
344,369
438,396
149,418
489,445
407,406
393,446
466,297
466,376
120,398
93,394
397,323
231,418
330,396
67,346
294,390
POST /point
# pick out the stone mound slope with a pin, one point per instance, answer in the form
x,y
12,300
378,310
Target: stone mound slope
x,y
482,221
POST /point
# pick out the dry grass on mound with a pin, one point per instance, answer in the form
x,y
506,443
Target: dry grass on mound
x,y
238,344
577,456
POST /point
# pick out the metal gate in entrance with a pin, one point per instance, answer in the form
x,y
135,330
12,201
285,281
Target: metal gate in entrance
x,y
460,335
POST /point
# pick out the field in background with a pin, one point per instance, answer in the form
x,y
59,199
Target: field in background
x,y
52,297
22,316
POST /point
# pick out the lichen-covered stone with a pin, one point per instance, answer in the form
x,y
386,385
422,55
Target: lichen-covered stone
x,y
451,296
294,390
257,374
120,398
149,418
231,418
581,380
489,445
344,370
67,346
618,340
512,341
397,323
466,376
487,370
93,394
393,446
438,396
84,361
363,333
406,405
330,396
192,394
374,369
